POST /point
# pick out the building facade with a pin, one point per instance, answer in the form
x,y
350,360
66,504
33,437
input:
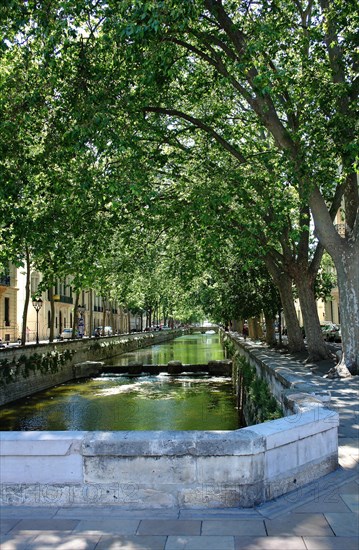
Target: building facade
x,y
8,304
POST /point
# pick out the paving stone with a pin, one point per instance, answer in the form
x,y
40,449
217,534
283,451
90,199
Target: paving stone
x,y
234,527
299,525
200,543
169,527
108,512
331,543
344,525
352,501
59,541
330,503
28,512
45,525
15,542
6,525
132,543
108,526
269,543
351,488
218,513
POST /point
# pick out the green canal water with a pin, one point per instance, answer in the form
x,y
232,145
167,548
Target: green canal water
x,y
146,402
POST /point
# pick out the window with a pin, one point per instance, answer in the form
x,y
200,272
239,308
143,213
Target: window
x,y
49,319
34,283
7,312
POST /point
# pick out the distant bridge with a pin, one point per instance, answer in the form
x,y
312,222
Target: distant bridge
x,y
203,329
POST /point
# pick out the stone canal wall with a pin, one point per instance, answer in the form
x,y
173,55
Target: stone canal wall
x,y
239,468
29,369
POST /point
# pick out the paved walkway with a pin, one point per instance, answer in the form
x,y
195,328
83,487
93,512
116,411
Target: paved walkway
x,y
324,515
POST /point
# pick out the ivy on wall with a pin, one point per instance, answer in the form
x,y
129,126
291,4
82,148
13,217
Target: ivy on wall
x,y
257,399
45,363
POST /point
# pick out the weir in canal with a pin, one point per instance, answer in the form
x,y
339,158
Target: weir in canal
x,y
116,400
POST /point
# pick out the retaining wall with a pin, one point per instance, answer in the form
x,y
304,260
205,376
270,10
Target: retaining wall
x,y
239,468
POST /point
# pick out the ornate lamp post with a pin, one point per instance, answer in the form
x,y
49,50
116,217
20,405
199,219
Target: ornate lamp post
x,y
81,324
37,303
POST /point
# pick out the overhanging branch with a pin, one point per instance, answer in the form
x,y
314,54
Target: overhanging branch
x,y
202,125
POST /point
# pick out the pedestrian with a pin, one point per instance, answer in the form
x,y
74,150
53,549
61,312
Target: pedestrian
x,y
245,331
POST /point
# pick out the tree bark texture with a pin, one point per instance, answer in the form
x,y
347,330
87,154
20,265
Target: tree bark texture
x,y
317,348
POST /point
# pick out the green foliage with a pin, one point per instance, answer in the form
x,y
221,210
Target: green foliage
x,y
260,403
151,145
25,365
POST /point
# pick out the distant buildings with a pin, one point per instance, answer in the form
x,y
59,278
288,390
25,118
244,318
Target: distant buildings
x,y
60,306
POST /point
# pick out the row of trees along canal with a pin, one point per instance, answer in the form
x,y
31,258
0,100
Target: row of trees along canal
x,y
181,149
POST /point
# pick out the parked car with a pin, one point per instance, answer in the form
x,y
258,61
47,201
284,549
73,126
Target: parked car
x,y
66,334
100,331
331,331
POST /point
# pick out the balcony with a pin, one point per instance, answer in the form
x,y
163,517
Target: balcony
x,y
65,299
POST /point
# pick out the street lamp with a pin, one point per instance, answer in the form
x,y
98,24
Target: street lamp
x,y
37,303
81,310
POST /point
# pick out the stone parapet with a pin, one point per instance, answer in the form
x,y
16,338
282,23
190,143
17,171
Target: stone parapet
x,y
164,469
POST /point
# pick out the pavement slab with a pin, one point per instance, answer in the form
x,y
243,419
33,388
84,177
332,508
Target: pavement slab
x,y
344,525
200,543
132,543
15,542
233,527
331,543
299,525
7,524
45,525
111,512
24,512
269,543
110,526
169,527
352,501
51,541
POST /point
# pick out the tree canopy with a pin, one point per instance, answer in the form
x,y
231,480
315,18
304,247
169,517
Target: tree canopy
x,y
184,124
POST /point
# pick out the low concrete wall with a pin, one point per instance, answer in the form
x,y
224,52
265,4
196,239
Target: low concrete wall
x,y
17,380
239,468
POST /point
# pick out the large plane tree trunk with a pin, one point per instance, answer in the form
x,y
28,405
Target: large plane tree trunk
x,y
345,254
27,297
284,284
317,349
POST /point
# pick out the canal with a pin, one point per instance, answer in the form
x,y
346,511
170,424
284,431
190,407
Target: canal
x,y
147,402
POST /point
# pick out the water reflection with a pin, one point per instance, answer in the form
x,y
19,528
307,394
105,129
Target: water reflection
x,y
193,349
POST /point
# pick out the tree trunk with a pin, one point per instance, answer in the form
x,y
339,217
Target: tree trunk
x,y
345,254
90,313
27,298
317,348
348,284
75,318
270,332
103,316
52,317
284,284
